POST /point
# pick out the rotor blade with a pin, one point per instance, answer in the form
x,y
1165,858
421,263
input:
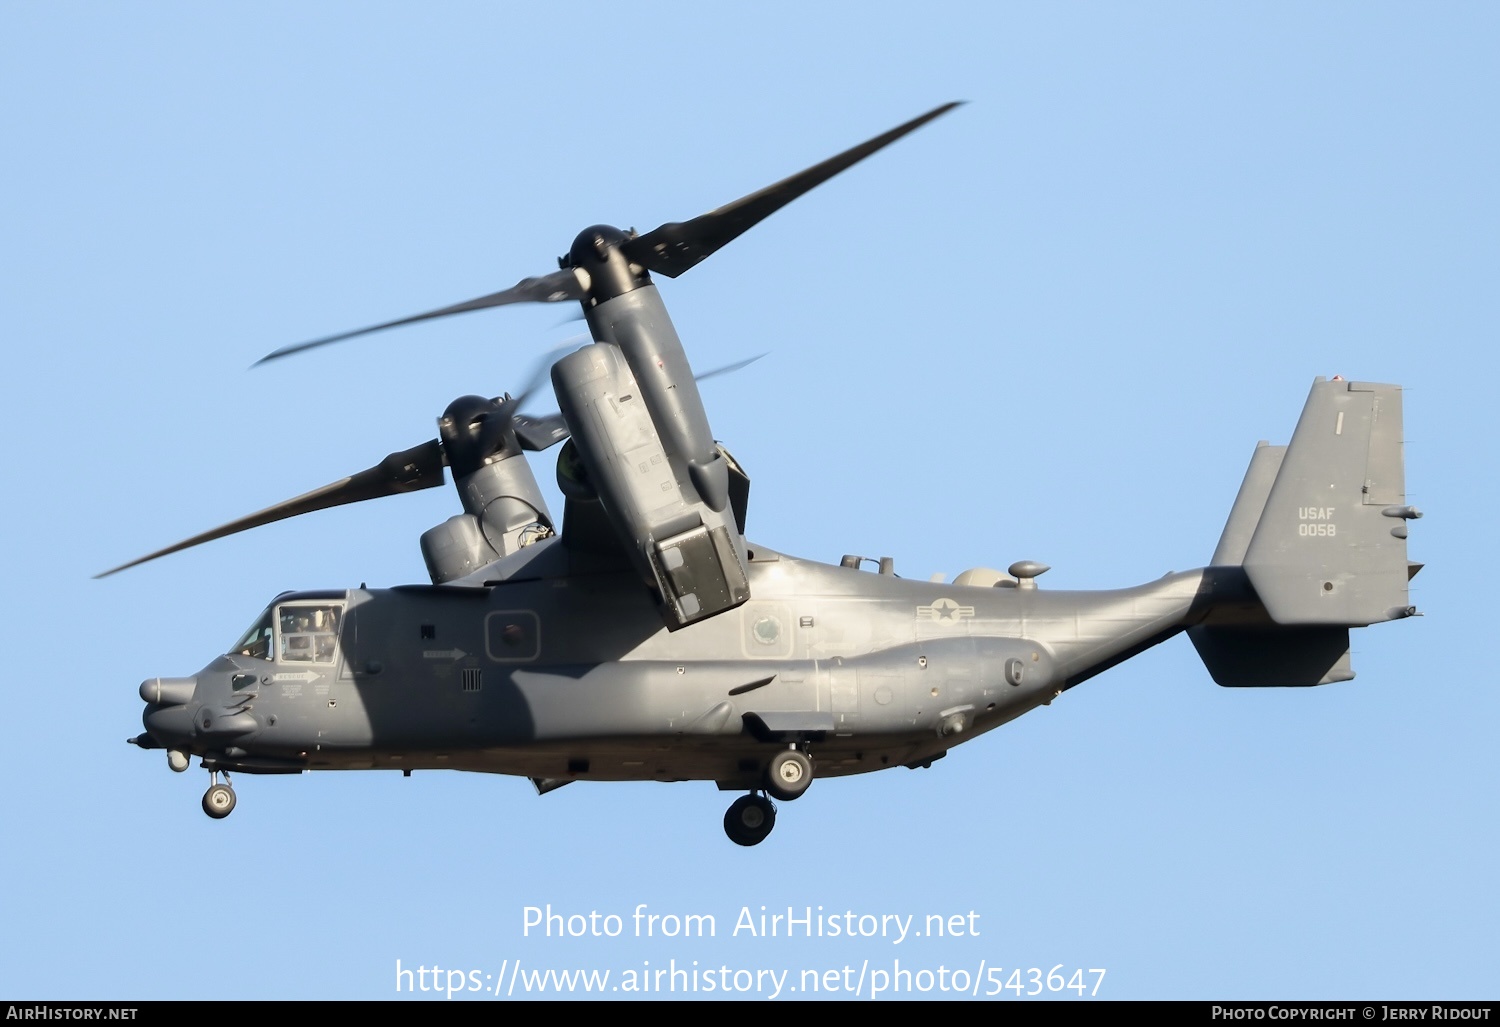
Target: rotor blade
x,y
541,372
551,288
538,433
727,368
676,246
410,470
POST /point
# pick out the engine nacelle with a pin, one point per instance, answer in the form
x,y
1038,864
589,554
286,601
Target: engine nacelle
x,y
666,495
503,506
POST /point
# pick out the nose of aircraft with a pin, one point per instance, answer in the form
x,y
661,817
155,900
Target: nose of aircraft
x,y
168,718
168,691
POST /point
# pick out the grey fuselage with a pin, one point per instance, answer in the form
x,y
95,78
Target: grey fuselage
x,y
558,675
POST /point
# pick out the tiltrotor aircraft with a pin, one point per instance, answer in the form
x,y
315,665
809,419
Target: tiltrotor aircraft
x,y
649,639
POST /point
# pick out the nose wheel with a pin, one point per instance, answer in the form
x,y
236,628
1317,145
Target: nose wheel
x,y
218,801
749,819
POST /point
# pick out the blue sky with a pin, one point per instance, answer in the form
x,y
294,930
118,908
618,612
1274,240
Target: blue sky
x,y
1051,325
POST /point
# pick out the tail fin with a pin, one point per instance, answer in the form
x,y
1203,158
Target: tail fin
x,y
1319,527
1248,505
1330,546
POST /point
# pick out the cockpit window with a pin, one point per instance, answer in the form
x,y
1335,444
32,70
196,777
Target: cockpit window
x,y
257,641
309,634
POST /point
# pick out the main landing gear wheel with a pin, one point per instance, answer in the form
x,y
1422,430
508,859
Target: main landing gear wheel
x,y
749,820
789,774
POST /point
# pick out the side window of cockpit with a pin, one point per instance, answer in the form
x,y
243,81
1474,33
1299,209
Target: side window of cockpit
x,y
257,641
309,634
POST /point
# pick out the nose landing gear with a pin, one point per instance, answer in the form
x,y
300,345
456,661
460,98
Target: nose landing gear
x,y
219,800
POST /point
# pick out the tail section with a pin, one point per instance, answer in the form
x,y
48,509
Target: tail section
x,y
1265,656
1248,505
1319,527
1330,546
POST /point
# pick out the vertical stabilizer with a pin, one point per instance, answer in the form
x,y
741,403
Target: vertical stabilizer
x,y
1330,546
1249,505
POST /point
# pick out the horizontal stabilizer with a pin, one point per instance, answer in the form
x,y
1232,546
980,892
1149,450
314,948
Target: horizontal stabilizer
x,y
1270,656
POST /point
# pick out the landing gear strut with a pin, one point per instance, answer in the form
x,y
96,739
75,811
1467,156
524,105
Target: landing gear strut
x,y
750,819
218,801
